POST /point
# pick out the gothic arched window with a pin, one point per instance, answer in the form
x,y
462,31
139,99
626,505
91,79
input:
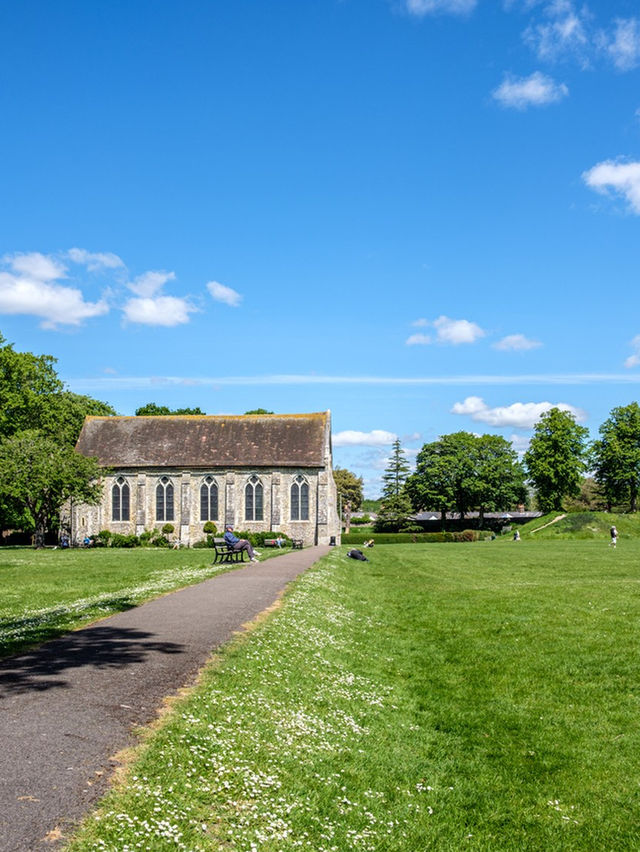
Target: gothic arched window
x,y
209,500
253,500
300,499
164,500
120,500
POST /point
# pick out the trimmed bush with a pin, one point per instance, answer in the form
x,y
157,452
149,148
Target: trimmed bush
x,y
210,528
413,538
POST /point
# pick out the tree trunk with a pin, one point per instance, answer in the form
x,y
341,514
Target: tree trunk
x,y
38,539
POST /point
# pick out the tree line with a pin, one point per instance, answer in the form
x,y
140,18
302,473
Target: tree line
x,y
464,472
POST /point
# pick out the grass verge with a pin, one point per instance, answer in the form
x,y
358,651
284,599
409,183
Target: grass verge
x,y
46,593
449,698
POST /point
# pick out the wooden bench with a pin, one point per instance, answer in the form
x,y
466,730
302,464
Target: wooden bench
x,y
224,553
296,543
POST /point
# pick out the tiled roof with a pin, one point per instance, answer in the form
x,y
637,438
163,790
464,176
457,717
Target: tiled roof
x,y
273,440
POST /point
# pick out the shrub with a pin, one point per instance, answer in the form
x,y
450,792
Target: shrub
x,y
160,541
167,529
102,539
118,540
365,520
146,537
210,528
413,538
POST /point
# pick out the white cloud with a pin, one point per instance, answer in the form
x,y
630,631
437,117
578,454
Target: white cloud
x,y
521,415
36,266
620,177
224,294
32,288
95,261
520,443
457,331
375,438
164,311
535,90
634,359
516,343
150,283
421,323
420,8
418,340
623,47
54,303
447,331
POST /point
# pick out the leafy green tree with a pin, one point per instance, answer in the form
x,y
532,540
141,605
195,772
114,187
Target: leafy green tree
x,y
153,410
555,460
445,476
500,478
616,456
258,411
65,414
349,491
39,474
27,383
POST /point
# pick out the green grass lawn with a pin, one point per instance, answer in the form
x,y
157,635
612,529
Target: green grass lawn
x,y
448,697
48,592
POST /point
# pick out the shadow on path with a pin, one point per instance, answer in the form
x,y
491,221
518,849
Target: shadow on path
x,y
99,647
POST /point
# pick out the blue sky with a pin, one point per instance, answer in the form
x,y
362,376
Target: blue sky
x,y
420,214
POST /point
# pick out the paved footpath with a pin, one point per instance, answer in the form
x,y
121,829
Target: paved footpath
x,y
68,706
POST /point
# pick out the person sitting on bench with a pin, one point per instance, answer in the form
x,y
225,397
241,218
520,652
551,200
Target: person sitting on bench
x,y
240,543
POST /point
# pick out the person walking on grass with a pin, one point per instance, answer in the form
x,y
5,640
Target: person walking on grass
x,y
614,536
240,543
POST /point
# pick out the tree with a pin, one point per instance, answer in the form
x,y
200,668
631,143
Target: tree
x,y
555,460
65,414
616,456
445,477
348,491
153,410
38,474
395,505
258,411
27,382
464,472
500,478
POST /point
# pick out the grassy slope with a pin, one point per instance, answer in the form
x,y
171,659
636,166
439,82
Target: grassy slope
x,y
478,697
583,525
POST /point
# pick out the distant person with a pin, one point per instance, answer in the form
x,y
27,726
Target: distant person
x,y
87,541
614,536
369,543
240,544
516,535
64,542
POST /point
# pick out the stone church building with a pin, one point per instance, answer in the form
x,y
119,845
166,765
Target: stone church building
x,y
257,472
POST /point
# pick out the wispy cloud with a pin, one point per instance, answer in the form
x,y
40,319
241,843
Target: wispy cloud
x,y
521,415
421,8
143,382
623,44
618,177
634,359
536,90
32,286
516,343
375,438
95,261
450,331
563,33
224,294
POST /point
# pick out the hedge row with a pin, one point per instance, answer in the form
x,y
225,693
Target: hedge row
x,y
155,538
413,538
